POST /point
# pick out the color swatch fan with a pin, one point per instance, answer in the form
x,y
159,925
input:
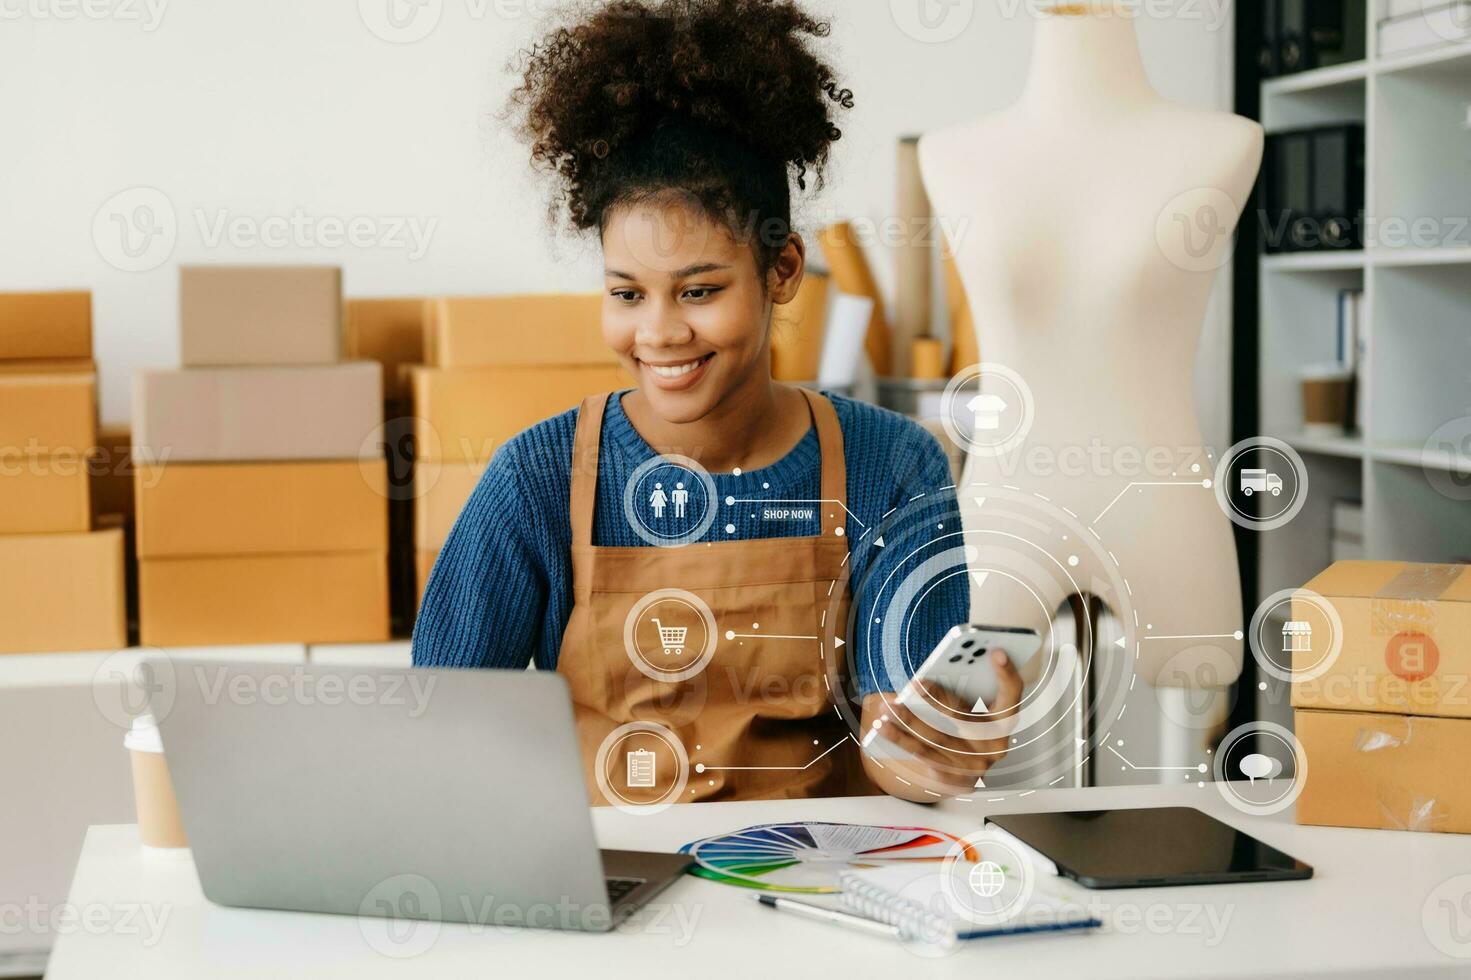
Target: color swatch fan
x,y
809,857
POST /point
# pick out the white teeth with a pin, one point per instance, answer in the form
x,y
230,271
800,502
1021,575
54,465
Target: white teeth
x,y
676,371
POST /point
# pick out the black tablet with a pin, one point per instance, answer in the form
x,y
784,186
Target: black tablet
x,y
1148,848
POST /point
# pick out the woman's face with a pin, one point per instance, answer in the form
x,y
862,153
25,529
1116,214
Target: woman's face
x,y
685,306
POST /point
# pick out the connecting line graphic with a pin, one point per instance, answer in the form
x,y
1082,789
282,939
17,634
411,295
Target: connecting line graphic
x,y
763,500
1198,636
766,636
1191,483
1154,768
704,768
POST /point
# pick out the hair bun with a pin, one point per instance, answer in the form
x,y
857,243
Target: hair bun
x,y
741,71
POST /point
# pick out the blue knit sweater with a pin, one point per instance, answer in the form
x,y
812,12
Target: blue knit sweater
x,y
500,594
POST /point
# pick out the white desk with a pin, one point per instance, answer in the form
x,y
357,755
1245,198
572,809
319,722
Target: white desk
x,y
1362,913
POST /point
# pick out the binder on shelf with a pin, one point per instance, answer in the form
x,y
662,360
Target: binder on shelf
x,y
1313,189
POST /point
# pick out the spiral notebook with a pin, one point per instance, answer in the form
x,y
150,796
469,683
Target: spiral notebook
x,y
922,906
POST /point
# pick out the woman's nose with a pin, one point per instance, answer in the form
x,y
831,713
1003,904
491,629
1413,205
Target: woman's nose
x,y
663,326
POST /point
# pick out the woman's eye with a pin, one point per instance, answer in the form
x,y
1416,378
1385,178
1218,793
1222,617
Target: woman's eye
x,y
700,293
626,296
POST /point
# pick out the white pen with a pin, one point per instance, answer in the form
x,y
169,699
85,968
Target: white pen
x,y
831,916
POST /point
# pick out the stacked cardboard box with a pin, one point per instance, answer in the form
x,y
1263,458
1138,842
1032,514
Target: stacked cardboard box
x,y
61,582
391,332
494,366
260,491
1387,726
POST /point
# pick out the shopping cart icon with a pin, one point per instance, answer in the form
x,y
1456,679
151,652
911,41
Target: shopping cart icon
x,y
672,638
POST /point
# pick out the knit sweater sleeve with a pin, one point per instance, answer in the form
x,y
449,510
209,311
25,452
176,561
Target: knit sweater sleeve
x,y
488,593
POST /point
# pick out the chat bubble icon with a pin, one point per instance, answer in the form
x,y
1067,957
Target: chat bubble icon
x,y
1257,766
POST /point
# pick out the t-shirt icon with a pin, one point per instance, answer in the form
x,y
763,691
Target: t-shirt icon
x,y
987,410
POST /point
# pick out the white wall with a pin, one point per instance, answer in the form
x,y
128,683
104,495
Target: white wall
x,y
275,108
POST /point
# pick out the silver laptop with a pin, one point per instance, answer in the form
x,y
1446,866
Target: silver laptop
x,y
454,796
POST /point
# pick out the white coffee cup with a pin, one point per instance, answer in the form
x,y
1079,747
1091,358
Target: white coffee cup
x,y
159,824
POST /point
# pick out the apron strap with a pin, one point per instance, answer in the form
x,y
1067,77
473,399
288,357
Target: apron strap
x,y
585,468
834,465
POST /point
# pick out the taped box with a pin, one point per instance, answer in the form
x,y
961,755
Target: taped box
x,y
259,315
1384,772
43,326
389,331
550,330
1387,637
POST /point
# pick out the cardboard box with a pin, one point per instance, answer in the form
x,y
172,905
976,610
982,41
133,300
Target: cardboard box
x,y
112,472
258,414
441,490
62,592
260,315
42,326
389,331
1389,772
516,331
68,365
339,598
465,415
188,510
44,495
1406,640
48,414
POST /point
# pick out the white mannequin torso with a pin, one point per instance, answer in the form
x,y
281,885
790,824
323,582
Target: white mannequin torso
x,y
1094,216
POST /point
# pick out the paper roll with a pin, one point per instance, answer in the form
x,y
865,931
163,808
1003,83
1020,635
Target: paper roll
x,y
797,331
914,259
964,345
852,275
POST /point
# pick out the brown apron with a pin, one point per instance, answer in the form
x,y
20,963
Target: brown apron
x,y
757,722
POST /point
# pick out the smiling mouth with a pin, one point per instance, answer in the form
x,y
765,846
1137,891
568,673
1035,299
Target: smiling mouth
x,y
675,371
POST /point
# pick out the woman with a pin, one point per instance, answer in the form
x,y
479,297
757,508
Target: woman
x,y
676,129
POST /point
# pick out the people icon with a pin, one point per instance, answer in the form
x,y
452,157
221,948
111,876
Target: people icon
x,y
658,500
681,498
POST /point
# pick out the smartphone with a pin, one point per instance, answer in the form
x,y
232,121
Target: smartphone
x,y
960,664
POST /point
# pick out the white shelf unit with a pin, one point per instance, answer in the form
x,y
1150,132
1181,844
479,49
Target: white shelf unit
x,y
1416,374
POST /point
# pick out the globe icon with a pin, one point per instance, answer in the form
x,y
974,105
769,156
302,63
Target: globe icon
x,y
987,879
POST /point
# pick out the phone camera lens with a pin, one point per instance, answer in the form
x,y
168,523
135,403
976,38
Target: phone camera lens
x,y
956,659
968,644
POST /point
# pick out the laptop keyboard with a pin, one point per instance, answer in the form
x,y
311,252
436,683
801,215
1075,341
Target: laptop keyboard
x,y
618,888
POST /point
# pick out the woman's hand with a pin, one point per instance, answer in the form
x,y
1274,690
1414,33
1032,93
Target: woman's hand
x,y
940,764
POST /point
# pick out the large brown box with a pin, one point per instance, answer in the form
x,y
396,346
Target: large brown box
x,y
340,598
465,415
1406,633
389,331
231,316
48,414
44,495
258,414
39,326
441,490
190,510
62,592
516,331
1390,772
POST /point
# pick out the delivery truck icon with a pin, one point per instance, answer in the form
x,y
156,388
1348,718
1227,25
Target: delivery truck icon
x,y
1260,481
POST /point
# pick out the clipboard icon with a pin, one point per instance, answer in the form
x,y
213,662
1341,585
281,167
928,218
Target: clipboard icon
x,y
641,769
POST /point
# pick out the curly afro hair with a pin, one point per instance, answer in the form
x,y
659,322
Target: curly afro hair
x,y
723,101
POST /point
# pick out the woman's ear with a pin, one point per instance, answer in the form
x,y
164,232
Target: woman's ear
x,y
785,276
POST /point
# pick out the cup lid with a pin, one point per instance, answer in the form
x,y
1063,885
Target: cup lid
x,y
144,735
